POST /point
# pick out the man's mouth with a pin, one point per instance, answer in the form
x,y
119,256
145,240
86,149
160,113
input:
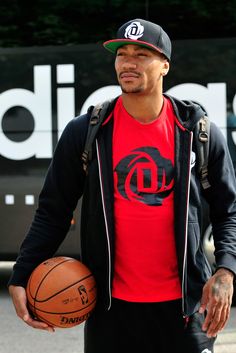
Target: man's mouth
x,y
128,75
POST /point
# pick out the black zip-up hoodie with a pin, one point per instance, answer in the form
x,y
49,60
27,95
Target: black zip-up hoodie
x,y
66,182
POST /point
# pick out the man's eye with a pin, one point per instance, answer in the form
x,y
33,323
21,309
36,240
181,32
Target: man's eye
x,y
142,54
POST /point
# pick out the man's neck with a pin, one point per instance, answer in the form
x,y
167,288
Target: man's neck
x,y
144,109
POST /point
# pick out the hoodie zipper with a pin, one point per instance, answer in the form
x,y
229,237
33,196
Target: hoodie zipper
x,y
106,223
186,229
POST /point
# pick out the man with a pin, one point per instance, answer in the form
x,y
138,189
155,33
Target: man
x,y
141,213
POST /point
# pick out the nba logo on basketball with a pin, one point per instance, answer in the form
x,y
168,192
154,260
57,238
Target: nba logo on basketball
x,y
83,294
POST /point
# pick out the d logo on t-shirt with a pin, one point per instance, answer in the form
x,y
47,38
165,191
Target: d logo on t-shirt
x,y
145,176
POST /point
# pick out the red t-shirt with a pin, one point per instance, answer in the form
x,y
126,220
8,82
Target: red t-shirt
x,y
143,161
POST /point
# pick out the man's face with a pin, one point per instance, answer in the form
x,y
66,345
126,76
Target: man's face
x,y
140,70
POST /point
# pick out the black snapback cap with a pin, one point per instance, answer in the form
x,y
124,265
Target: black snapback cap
x,y
141,32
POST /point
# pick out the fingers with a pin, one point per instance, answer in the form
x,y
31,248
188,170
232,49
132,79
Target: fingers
x,y
217,316
210,321
216,300
19,299
215,321
204,300
219,322
37,324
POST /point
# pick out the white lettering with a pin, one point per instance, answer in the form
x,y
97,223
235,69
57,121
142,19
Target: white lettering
x,y
65,107
38,103
65,96
39,144
101,94
65,73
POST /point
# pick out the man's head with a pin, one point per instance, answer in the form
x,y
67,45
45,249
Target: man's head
x,y
143,52
142,33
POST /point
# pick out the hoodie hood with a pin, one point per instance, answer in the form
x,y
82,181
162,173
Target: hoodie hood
x,y
187,112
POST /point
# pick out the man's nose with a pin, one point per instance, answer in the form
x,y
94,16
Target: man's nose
x,y
129,63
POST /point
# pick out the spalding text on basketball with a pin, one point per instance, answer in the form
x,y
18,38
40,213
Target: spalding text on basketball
x,y
73,320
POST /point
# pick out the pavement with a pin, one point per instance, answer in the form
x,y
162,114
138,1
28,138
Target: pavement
x,y
226,341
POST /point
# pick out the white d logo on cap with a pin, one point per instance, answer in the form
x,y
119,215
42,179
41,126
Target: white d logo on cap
x,y
134,31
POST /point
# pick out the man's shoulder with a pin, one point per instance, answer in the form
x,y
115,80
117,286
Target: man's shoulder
x,y
188,112
77,125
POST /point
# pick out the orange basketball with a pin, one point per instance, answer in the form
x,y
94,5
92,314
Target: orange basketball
x,y
62,292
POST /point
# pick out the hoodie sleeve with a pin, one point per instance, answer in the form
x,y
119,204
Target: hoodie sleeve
x,y
61,191
221,197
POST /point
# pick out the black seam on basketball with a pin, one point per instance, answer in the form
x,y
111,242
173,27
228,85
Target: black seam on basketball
x,y
66,312
62,290
47,275
29,289
34,298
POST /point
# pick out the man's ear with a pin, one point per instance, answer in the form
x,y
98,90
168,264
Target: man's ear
x,y
166,67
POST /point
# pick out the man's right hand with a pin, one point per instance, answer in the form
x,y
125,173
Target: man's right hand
x,y
19,299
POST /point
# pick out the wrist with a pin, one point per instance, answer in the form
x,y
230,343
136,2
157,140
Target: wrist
x,y
226,271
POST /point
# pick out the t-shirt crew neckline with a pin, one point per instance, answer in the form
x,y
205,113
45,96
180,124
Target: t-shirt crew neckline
x,y
157,120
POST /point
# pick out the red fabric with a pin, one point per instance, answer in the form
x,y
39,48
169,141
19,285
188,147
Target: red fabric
x,y
143,162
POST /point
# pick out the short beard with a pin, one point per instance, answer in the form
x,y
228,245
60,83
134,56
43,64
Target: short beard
x,y
132,90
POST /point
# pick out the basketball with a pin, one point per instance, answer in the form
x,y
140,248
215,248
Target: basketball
x,y
61,291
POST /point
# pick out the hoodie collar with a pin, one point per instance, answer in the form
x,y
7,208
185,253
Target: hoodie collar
x,y
187,112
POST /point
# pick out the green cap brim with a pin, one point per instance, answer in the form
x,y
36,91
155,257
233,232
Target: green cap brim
x,y
113,45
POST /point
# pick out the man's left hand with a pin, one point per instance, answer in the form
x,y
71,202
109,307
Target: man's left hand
x,y
217,299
